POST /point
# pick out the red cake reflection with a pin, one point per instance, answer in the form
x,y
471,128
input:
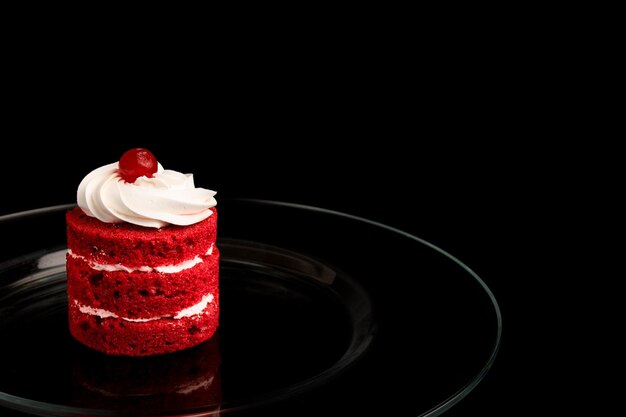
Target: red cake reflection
x,y
180,382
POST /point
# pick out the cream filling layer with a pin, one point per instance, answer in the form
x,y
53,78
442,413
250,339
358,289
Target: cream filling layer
x,y
194,310
164,269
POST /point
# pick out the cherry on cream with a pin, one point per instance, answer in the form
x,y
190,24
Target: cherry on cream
x,y
137,162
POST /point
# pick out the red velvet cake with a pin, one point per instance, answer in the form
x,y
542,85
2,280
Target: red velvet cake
x,y
142,265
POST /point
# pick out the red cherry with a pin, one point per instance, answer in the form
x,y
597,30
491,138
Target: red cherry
x,y
135,163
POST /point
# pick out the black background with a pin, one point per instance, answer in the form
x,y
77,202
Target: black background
x,y
478,202
484,133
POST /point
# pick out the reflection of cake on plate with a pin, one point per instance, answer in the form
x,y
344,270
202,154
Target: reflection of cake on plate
x,y
169,384
142,265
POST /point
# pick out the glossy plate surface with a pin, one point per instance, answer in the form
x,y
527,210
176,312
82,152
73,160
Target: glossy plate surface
x,y
320,311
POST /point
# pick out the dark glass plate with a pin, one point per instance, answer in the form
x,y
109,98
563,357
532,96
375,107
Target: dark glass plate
x,y
322,313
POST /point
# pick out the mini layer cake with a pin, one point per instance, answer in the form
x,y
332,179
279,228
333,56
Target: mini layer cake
x,y
134,290
138,290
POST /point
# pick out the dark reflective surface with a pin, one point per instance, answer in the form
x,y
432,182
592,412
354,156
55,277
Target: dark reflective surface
x,y
296,314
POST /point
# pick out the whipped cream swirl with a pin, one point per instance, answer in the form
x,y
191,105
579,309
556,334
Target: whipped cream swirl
x,y
169,197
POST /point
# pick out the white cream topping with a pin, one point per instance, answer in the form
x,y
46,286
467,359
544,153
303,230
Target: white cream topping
x,y
169,197
194,310
164,269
